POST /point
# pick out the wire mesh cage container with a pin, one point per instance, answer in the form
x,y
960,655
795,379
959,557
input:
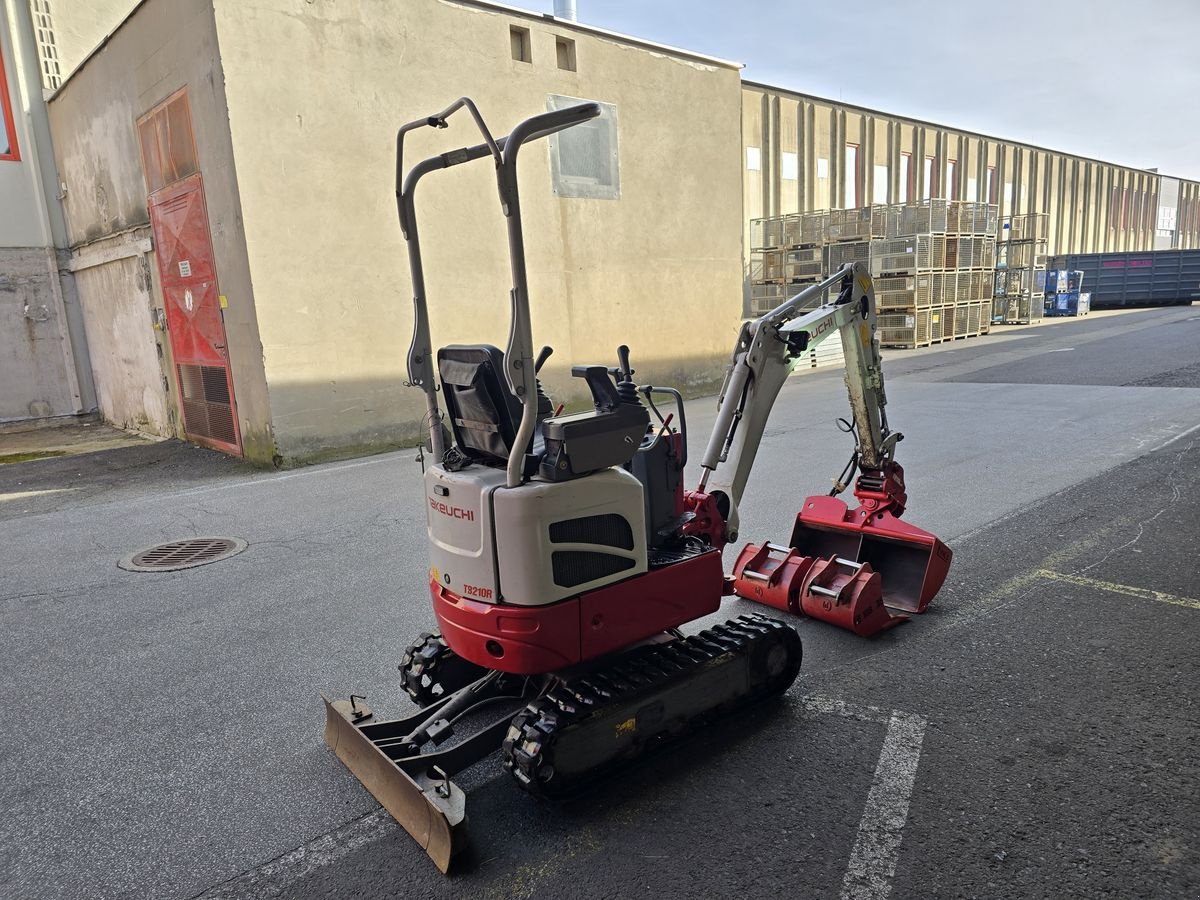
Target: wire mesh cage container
x,y
765,297
904,291
773,265
766,233
853,224
974,318
803,263
925,217
906,329
945,287
1019,254
1027,227
937,324
972,252
922,252
805,229
950,259
846,253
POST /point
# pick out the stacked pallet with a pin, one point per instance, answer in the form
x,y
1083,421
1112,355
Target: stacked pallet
x,y
934,272
1020,269
933,262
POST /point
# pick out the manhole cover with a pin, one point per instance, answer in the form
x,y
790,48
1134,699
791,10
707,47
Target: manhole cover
x,y
182,554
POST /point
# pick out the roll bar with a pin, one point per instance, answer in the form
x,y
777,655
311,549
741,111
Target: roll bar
x,y
518,356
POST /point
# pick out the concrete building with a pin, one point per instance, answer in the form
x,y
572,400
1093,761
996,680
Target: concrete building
x,y
252,144
805,153
44,369
225,174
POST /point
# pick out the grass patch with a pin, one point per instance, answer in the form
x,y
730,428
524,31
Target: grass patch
x,y
32,454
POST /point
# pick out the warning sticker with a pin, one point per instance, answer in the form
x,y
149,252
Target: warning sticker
x,y
185,268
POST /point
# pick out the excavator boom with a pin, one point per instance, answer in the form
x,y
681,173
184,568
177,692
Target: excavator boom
x,y
848,567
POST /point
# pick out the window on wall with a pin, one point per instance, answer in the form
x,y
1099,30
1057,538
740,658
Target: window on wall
x,y
789,166
584,161
519,40
850,194
951,178
991,184
930,179
8,133
753,159
906,180
564,49
1114,207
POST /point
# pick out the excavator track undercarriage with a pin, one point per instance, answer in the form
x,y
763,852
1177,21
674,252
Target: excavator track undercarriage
x,y
576,729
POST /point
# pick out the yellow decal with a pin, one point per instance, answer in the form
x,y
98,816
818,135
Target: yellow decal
x,y
864,334
435,575
223,300
864,282
629,726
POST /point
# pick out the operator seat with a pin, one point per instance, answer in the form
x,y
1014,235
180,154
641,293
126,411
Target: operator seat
x,y
484,414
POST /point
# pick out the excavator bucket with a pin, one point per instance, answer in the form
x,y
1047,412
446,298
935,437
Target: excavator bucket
x,y
911,562
839,591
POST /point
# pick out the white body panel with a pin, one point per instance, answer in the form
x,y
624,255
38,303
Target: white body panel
x,y
526,553
458,514
488,542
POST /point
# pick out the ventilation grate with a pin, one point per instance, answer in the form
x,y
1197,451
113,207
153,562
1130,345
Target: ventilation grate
x,y
183,554
207,410
609,529
572,567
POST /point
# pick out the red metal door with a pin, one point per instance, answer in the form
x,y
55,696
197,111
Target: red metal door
x,y
194,321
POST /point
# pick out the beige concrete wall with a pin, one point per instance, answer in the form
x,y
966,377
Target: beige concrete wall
x,y
118,299
316,91
37,376
164,46
80,25
1084,214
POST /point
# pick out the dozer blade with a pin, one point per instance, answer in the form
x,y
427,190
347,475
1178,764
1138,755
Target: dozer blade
x,y
431,809
911,562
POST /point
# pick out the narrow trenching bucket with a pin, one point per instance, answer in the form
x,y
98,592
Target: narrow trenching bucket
x,y
911,562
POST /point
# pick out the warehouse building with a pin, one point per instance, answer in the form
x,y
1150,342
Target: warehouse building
x,y
225,168
806,153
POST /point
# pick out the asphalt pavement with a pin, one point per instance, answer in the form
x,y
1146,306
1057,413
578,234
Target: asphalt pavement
x,y
1032,735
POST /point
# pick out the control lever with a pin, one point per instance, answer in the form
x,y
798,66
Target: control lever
x,y
604,394
541,359
625,373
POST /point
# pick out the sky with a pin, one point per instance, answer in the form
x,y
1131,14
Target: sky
x,y
1114,80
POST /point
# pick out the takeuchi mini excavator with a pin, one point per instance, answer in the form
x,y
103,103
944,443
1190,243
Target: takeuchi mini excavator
x,y
566,551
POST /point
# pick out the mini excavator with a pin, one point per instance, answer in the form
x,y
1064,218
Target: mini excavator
x,y
566,553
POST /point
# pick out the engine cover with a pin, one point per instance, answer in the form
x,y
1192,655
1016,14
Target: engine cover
x,y
535,544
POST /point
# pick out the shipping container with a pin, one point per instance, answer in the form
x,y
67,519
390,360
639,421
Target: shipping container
x,y
1151,278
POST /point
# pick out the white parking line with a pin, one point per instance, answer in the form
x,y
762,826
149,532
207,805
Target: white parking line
x,y
868,876
877,845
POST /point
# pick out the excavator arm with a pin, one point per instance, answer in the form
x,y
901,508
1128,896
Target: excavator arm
x,y
848,567
767,350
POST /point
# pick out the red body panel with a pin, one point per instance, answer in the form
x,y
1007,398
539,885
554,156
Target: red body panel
x,y
912,561
531,640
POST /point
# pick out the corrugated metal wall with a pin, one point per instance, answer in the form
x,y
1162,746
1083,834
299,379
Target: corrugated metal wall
x,y
806,153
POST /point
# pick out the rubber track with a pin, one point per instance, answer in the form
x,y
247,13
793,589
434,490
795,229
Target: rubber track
x,y
430,657
529,745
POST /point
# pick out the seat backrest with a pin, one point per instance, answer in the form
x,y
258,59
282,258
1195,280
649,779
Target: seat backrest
x,y
484,414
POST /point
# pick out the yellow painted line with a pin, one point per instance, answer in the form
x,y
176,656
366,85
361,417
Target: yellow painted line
x,y
1114,588
25,495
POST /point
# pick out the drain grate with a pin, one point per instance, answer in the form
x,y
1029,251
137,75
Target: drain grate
x,y
183,554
